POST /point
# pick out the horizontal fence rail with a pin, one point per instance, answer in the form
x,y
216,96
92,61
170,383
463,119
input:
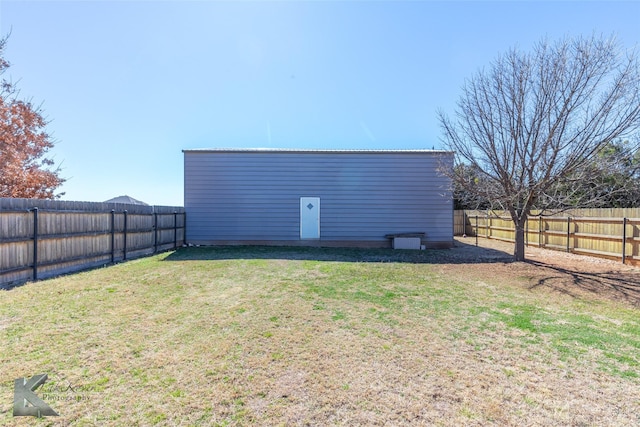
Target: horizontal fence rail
x,y
614,235
44,238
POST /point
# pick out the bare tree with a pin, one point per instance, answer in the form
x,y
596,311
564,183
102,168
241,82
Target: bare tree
x,y
533,120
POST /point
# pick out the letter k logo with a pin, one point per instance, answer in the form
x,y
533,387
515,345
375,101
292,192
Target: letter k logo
x,y
24,394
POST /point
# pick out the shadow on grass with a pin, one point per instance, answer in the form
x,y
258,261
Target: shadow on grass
x,y
618,285
461,253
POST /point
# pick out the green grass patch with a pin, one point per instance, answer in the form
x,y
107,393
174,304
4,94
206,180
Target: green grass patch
x,y
269,336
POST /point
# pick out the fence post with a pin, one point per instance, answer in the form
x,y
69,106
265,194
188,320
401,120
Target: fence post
x,y
124,247
540,236
475,233
35,244
624,240
175,229
184,228
486,224
568,233
464,223
113,236
526,231
155,232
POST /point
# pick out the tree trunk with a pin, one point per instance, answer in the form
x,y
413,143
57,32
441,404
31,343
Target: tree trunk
x,y
518,252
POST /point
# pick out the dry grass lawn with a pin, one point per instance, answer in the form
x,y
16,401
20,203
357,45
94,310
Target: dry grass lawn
x,y
294,336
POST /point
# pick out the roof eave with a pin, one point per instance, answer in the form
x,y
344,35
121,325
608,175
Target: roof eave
x,y
311,150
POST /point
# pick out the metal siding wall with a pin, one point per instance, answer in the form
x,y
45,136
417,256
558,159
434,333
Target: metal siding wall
x,y
255,195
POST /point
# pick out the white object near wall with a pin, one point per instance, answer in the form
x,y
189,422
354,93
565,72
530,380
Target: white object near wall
x,y
309,217
406,243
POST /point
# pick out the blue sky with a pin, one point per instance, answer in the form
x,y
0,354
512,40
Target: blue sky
x,y
128,84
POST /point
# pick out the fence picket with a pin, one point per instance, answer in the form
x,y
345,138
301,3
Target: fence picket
x,y
607,233
44,238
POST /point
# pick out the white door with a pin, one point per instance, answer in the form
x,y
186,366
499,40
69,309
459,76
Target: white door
x,y
309,217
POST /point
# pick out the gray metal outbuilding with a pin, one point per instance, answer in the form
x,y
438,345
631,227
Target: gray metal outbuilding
x,y
317,197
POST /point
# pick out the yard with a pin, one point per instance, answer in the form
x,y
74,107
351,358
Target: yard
x,y
301,336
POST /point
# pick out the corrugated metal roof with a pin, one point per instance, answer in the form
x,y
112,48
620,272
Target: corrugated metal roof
x,y
309,150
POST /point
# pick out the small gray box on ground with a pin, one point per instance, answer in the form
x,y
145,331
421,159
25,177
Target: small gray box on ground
x,y
406,243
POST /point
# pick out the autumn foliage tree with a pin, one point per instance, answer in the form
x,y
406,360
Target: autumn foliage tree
x,y
25,171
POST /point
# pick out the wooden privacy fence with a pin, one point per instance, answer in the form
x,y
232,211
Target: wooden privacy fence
x,y
44,238
614,235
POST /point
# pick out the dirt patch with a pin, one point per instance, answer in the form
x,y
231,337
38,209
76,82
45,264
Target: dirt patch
x,y
569,274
